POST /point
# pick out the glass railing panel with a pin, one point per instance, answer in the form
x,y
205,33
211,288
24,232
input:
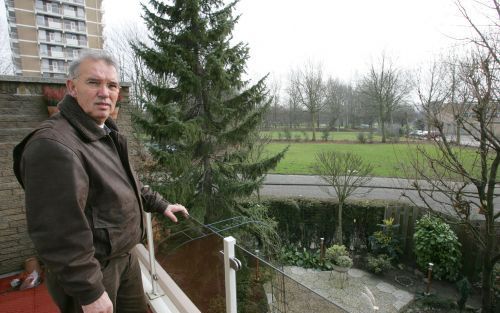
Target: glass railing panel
x,y
190,254
263,287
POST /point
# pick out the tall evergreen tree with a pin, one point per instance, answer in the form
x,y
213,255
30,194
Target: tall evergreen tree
x,y
203,121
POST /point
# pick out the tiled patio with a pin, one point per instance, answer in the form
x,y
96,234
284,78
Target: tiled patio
x,y
26,301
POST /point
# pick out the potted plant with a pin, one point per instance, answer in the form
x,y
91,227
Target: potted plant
x,y
52,97
339,258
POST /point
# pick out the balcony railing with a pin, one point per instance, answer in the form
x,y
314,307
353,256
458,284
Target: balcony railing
x,y
191,252
77,2
79,29
49,10
76,42
52,54
50,40
72,42
74,14
54,69
55,25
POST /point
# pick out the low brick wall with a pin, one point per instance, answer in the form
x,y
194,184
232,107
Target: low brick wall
x,y
22,108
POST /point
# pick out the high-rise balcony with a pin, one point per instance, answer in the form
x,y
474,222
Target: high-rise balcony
x,y
48,9
81,43
52,54
74,28
52,68
77,2
54,25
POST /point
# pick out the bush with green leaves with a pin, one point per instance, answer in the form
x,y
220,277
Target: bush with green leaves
x,y
335,251
338,255
288,134
370,137
291,255
378,264
386,241
435,242
325,133
343,261
361,137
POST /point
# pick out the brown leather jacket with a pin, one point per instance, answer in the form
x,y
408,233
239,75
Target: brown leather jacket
x,y
83,201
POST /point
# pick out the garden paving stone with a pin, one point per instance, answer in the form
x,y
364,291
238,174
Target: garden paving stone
x,y
354,296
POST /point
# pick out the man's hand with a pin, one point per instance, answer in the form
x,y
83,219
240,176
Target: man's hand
x,y
101,305
174,208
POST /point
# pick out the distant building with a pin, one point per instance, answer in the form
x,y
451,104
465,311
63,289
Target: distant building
x,y
448,112
46,35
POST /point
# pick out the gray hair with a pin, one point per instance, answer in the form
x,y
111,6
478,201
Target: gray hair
x,y
91,54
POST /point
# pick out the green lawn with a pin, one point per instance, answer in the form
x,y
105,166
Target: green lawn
x,y
307,135
388,160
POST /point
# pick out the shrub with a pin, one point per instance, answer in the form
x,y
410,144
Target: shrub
x,y
280,135
297,137
370,137
361,137
288,134
293,256
378,264
435,242
336,251
385,241
343,261
338,255
325,134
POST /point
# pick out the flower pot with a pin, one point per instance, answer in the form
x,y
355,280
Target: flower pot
x,y
340,269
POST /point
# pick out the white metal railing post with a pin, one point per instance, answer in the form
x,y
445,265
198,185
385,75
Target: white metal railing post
x,y
152,261
231,265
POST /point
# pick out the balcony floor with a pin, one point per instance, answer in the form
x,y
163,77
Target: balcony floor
x,y
34,300
27,301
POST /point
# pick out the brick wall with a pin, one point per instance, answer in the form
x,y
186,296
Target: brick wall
x,y
22,108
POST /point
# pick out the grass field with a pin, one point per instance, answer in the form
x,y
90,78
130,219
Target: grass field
x,y
307,135
388,160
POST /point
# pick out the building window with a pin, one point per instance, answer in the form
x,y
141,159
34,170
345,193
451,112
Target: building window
x,y
44,50
40,20
42,35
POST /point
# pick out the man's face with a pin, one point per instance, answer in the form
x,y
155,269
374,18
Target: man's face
x,y
96,89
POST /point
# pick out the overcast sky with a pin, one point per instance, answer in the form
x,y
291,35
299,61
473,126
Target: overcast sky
x,y
344,36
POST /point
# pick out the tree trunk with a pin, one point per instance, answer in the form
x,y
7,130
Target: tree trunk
x,y
339,226
313,126
382,128
458,134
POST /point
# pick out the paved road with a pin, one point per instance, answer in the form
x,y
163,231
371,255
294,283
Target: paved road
x,y
377,188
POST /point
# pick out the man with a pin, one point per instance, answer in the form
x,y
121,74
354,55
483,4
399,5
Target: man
x,y
83,202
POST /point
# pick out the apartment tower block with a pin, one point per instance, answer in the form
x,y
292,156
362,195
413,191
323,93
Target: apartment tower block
x,y
46,35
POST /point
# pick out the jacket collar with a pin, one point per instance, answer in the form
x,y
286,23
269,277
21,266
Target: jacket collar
x,y
84,124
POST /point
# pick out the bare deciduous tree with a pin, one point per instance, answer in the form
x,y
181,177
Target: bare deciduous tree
x,y
310,89
432,91
447,174
386,88
345,172
335,99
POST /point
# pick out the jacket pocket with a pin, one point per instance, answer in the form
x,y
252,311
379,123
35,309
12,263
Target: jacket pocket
x,y
115,230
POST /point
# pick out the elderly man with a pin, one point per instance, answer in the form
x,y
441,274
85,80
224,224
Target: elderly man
x,y
83,201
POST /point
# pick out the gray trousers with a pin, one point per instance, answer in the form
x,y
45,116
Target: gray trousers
x,y
123,283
